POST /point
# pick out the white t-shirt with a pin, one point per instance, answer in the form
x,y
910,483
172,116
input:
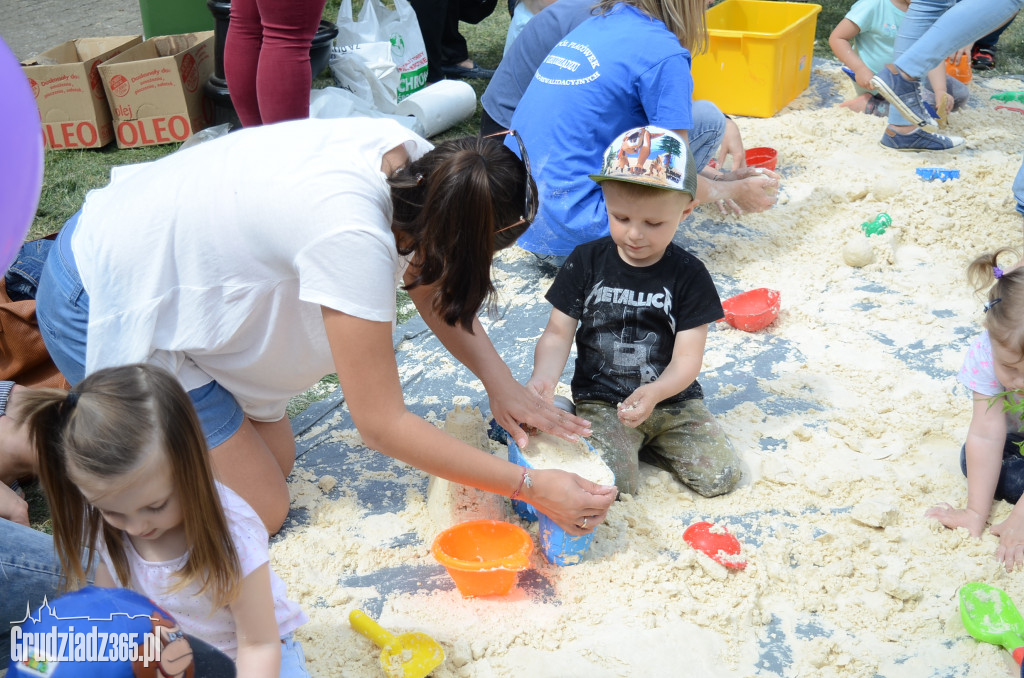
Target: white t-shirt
x,y
192,610
214,262
979,375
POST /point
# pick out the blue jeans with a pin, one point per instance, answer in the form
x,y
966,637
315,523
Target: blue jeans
x,y
934,29
22,277
62,312
62,307
1010,486
1018,188
29,572
706,133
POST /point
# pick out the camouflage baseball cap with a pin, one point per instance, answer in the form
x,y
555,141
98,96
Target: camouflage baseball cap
x,y
652,156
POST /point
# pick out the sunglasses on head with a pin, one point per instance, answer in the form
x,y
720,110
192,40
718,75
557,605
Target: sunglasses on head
x,y
529,207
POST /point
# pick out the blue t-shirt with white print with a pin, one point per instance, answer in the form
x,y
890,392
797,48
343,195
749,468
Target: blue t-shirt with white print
x,y
610,74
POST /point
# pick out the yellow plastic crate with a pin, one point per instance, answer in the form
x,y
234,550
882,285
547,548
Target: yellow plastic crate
x,y
759,56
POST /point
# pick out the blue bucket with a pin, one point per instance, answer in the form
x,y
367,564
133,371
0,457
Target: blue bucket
x,y
559,547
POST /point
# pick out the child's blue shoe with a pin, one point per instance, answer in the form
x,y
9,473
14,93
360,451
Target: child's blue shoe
x,y
905,95
919,140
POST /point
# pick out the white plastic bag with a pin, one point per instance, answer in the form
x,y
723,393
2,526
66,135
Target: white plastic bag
x,y
335,102
367,71
399,27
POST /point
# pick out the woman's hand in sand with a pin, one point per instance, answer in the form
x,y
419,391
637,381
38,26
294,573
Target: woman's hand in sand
x,y
953,518
1011,542
748,189
567,499
732,145
518,404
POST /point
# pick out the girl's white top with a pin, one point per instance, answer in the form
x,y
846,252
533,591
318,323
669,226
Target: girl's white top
x,y
979,375
214,262
191,610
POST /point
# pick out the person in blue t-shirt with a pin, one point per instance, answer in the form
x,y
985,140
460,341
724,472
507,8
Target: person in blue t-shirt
x,y
594,80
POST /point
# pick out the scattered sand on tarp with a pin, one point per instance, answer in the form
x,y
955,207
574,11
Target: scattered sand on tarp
x,y
847,440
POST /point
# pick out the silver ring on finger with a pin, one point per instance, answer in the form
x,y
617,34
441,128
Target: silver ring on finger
x,y
584,525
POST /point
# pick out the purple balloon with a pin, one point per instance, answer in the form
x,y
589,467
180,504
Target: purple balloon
x,y
21,158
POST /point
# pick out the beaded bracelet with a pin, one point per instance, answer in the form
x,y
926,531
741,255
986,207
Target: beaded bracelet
x,y
525,481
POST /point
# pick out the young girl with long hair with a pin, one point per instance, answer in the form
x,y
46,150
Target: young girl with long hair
x,y
124,465
993,370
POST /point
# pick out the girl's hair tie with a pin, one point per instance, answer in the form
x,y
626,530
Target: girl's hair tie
x,y
997,272
72,398
989,305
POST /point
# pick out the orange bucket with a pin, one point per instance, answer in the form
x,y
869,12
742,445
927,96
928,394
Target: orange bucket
x,y
483,557
960,71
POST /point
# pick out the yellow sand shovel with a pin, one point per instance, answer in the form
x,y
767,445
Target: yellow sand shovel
x,y
408,655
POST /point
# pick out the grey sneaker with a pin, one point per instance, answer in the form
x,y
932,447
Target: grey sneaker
x,y
919,140
904,94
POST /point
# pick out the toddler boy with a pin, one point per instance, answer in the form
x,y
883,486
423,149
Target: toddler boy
x,y
642,306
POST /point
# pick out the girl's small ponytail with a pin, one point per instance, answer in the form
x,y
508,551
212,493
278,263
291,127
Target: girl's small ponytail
x,y
984,272
1004,305
47,414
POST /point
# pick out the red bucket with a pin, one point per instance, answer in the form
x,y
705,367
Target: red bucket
x,y
762,156
754,310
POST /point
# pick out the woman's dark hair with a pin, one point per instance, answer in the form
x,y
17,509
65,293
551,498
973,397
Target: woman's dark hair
x,y
450,208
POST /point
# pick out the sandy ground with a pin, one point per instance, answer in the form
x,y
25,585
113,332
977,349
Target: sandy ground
x,y
846,411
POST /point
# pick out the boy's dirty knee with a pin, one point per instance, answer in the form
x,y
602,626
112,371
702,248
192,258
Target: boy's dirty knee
x,y
723,483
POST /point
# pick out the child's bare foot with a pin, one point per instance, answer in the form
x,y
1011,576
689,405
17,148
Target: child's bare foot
x,y
858,103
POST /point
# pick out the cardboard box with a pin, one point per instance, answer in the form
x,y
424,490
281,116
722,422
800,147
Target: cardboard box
x,y
155,89
71,99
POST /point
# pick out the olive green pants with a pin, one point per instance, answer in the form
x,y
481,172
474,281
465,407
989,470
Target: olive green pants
x,y
683,439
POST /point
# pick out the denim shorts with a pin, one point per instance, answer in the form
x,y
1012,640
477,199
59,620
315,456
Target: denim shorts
x,y
293,659
22,278
62,311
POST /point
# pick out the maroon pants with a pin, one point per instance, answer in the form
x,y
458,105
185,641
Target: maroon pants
x,y
266,58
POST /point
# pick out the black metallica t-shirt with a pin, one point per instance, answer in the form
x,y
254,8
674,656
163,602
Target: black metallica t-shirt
x,y
629,316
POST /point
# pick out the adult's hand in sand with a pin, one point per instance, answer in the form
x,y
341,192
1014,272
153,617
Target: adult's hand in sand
x,y
1011,542
748,189
516,404
732,145
567,499
953,518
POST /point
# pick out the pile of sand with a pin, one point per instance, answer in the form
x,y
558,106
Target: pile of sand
x,y
849,437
